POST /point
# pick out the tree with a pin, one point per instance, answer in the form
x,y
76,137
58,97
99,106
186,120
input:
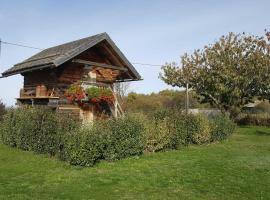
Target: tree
x,y
165,99
228,74
122,88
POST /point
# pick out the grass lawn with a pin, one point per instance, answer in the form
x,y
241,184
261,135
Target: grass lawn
x,y
238,168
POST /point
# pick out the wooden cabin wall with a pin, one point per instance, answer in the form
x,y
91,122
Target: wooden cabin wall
x,y
97,54
45,77
60,78
68,74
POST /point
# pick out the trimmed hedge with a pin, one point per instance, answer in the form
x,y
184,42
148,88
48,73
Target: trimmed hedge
x,y
158,135
42,131
221,127
198,129
110,140
2,110
84,147
262,119
173,129
124,137
35,129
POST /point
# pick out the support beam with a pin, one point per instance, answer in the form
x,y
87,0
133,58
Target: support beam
x,y
86,62
113,56
128,80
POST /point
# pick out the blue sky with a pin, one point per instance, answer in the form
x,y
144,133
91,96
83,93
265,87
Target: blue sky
x,y
146,31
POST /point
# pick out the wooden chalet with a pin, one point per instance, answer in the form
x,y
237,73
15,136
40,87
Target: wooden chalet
x,y
91,62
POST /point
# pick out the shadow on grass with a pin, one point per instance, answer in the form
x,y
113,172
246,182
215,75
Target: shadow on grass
x,y
263,133
254,130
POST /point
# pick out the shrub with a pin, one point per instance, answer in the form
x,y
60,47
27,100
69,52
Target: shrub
x,y
157,135
198,129
262,119
2,110
165,129
42,131
85,147
7,128
221,127
124,137
180,129
111,139
171,129
36,129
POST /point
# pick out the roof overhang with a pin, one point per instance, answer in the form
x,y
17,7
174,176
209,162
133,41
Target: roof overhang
x,y
71,54
28,70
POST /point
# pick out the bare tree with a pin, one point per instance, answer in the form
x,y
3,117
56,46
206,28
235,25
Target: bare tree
x,y
122,88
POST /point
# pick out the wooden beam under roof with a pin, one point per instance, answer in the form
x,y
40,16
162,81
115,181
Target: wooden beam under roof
x,y
111,54
96,64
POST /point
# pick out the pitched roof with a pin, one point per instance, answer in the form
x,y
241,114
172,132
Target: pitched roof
x,y
55,56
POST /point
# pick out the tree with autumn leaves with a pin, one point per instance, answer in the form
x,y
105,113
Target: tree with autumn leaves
x,y
227,74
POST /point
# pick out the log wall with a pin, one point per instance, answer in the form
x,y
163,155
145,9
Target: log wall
x,y
58,79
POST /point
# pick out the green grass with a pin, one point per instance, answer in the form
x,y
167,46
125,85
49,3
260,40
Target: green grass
x,y
238,168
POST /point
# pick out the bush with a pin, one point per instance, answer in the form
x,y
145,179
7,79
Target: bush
x,y
180,129
221,127
7,129
124,137
173,129
111,139
36,129
2,110
164,130
42,131
85,147
157,135
198,128
262,119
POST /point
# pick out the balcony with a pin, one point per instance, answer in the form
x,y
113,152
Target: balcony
x,y
38,95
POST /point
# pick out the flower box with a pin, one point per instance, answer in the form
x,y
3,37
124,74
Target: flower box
x,y
94,95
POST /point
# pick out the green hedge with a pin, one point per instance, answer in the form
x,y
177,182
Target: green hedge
x,y
158,135
124,137
173,129
113,139
2,110
262,119
35,129
221,127
42,131
84,147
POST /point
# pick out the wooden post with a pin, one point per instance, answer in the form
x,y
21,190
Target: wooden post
x,y
32,102
115,102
